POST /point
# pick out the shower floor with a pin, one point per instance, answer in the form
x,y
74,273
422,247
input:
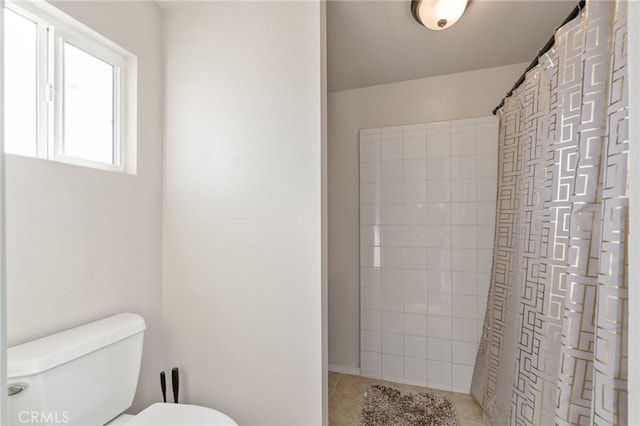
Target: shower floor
x,y
346,391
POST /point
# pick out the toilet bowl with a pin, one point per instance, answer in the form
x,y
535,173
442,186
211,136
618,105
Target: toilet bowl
x,y
88,375
164,414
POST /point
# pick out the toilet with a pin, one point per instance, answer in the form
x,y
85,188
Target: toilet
x,y
88,376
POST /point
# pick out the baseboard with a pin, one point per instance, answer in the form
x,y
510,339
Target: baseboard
x,y
354,371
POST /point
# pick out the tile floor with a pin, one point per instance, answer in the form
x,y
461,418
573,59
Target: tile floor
x,y
346,391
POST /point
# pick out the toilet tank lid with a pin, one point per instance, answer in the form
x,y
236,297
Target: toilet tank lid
x,y
51,351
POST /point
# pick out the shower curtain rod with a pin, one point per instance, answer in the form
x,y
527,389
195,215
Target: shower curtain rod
x,y
545,49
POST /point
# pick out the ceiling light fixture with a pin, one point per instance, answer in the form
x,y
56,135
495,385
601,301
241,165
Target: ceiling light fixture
x,y
437,14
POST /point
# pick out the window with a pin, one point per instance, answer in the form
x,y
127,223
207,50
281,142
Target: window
x,y
66,95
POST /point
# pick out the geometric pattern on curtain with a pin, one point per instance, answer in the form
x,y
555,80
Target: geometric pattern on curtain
x,y
554,343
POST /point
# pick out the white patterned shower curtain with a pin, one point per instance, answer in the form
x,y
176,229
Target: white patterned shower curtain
x,y
554,345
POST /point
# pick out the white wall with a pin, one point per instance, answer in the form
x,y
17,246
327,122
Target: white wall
x,y
465,95
84,243
242,208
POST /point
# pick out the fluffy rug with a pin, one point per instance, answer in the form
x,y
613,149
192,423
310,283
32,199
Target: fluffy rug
x,y
388,406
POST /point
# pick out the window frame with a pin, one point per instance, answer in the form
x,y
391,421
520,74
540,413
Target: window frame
x,y
54,29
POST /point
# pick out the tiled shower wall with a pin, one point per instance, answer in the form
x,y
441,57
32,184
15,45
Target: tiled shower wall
x,y
427,214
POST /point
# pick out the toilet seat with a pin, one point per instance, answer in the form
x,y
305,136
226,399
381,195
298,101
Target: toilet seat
x,y
166,414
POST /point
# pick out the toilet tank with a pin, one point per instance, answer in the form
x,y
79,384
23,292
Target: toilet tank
x,y
83,376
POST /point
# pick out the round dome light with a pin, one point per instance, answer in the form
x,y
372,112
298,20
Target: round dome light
x,y
438,14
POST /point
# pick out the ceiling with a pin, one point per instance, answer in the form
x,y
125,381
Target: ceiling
x,y
378,42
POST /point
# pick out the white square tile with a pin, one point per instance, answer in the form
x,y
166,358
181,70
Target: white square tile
x,y
438,168
391,132
487,141
392,367
415,191
415,324
415,302
415,214
393,300
438,373
463,213
373,132
486,212
485,236
415,371
485,260
390,149
461,376
370,277
370,257
463,190
438,236
487,189
392,279
370,235
463,143
439,304
464,353
481,309
438,145
370,320
464,283
439,327
439,349
463,260
463,237
415,258
391,214
371,364
414,129
484,280
370,341
391,171
415,347
464,329
370,214
369,172
439,281
370,298
369,150
393,322
464,125
369,193
415,280
438,128
390,192
480,329
464,306
415,147
487,166
439,191
392,344
463,167
392,257
391,235
489,122
438,213
439,259
416,236
415,169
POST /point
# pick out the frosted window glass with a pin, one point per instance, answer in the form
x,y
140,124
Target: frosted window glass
x,y
88,106
20,85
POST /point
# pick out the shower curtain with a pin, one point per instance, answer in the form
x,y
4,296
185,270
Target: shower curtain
x,y
554,344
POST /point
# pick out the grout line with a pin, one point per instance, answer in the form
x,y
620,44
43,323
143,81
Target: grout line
x,y
335,386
